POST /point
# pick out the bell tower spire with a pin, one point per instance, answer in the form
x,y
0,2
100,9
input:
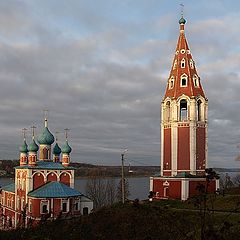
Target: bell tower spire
x,y
184,115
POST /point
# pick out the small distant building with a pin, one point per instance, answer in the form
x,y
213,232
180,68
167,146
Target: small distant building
x,y
43,187
184,129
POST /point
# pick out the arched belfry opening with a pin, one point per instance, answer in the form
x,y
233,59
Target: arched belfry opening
x,y
183,113
167,111
199,110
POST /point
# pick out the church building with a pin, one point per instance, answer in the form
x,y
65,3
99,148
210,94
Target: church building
x,y
44,185
184,129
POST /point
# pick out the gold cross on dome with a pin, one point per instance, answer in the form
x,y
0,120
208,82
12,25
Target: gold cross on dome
x,y
66,132
33,130
182,9
24,130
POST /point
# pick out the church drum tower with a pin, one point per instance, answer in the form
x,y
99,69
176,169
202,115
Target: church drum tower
x,y
184,129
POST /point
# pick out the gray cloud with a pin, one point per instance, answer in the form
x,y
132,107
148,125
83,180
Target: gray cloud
x,y
104,76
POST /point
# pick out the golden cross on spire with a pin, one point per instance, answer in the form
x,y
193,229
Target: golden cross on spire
x,y
182,9
45,112
66,132
24,130
33,131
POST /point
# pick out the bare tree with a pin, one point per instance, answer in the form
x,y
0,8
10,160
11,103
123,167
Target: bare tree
x,y
236,180
111,191
101,190
226,182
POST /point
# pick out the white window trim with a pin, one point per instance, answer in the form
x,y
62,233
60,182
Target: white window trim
x,y
175,64
184,76
171,83
78,202
183,63
65,201
196,80
191,64
42,203
182,51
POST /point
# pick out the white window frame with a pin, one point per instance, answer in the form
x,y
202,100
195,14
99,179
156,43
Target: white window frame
x,y
183,63
67,202
196,80
183,51
184,76
183,117
175,64
191,64
171,83
43,203
77,201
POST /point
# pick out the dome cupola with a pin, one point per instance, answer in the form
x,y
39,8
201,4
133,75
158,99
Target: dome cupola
x,y
66,148
33,147
57,150
24,147
182,20
46,136
23,150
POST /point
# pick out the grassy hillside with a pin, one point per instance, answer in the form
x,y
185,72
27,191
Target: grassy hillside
x,y
145,221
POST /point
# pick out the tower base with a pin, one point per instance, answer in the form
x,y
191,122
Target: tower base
x,y
182,186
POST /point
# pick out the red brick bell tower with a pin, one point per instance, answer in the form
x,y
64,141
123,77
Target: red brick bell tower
x,y
184,123
184,115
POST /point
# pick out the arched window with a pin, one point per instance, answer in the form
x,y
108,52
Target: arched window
x,y
195,80
183,63
183,110
199,114
184,79
165,192
167,111
45,153
171,83
175,64
44,207
191,63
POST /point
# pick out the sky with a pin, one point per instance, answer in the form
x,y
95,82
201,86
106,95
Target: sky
x,y
101,68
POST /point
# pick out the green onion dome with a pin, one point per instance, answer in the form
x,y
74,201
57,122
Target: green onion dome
x,y
56,150
33,147
24,147
46,137
66,148
182,20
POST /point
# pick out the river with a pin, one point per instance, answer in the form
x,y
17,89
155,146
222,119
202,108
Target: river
x,y
138,187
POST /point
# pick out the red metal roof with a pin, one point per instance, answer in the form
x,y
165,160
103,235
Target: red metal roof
x,y
193,88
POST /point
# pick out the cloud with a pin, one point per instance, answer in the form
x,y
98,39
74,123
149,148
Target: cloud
x,y
102,69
